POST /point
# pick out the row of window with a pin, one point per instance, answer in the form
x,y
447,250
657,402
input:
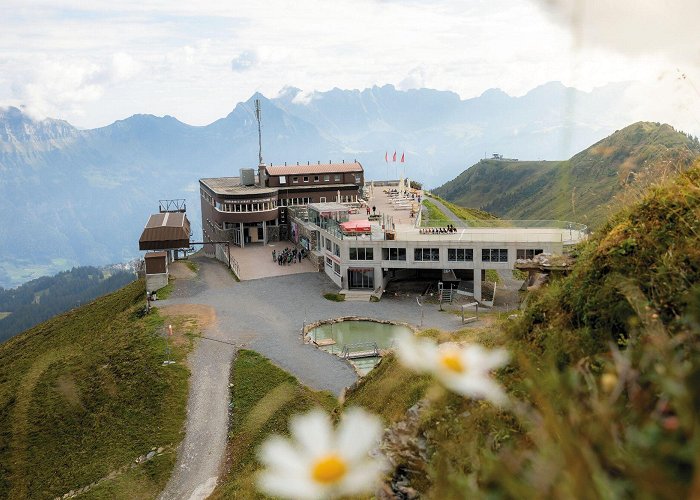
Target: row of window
x,y
433,254
361,253
246,207
287,202
528,253
334,265
316,178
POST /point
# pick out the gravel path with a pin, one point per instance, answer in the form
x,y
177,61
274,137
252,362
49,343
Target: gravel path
x,y
445,210
265,315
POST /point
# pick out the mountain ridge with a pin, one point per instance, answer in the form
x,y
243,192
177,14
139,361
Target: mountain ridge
x,y
585,188
73,197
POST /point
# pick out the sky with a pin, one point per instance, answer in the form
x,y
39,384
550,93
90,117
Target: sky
x,y
92,63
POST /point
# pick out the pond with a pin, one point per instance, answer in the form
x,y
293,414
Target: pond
x,y
356,337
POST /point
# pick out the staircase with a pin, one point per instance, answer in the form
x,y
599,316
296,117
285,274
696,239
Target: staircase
x,y
446,295
357,295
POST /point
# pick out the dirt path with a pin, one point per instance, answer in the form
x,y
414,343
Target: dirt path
x,y
265,315
201,453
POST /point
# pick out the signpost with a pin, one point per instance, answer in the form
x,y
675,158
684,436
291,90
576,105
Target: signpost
x,y
168,361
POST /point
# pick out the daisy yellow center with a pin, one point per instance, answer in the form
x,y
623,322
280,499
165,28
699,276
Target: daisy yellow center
x,y
329,469
452,361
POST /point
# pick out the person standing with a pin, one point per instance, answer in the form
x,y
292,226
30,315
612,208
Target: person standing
x,y
274,256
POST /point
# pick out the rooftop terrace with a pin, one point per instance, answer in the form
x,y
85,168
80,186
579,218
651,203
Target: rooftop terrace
x,y
393,212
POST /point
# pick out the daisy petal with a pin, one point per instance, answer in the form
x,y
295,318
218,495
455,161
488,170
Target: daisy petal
x,y
289,486
279,453
414,353
358,433
363,477
313,431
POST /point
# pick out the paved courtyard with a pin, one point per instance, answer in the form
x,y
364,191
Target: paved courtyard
x,y
255,261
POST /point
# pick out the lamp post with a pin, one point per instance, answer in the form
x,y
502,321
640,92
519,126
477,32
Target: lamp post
x,y
421,312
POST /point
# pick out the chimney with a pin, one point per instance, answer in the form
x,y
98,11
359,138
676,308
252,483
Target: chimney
x,y
319,162
262,178
343,161
285,163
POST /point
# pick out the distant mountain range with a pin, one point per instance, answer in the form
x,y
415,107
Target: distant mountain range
x,y
74,197
587,188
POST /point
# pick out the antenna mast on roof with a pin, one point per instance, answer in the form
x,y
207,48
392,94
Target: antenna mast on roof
x,y
257,115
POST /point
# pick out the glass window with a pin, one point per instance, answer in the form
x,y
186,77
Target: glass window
x,y
295,180
361,254
393,253
326,178
336,268
283,179
329,261
328,244
528,253
494,255
460,254
315,178
426,254
336,249
337,177
306,178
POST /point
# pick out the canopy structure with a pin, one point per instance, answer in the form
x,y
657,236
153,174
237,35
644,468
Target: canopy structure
x,y
166,231
356,227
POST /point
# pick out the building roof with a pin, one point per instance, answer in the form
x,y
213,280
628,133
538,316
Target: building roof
x,y
322,168
165,231
232,186
154,255
329,206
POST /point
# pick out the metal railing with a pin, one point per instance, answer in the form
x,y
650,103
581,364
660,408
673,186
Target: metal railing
x,y
360,350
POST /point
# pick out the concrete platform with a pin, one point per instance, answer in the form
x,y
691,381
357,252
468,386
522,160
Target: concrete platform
x,y
255,261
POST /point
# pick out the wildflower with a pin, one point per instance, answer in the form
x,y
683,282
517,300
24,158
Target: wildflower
x,y
320,462
462,369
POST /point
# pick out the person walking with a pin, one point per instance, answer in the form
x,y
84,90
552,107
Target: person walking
x,y
274,256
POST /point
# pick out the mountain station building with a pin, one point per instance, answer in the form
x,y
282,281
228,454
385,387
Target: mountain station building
x,y
316,207
252,208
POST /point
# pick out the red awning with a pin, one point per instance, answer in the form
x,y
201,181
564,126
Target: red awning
x,y
356,226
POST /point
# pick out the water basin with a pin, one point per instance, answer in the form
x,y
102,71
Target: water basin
x,y
356,339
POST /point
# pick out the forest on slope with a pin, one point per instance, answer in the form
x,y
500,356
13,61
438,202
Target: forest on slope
x,y
40,299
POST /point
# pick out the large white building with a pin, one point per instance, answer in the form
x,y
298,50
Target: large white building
x,y
362,254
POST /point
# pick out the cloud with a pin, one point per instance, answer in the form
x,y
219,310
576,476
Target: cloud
x,y
244,61
414,80
53,86
631,26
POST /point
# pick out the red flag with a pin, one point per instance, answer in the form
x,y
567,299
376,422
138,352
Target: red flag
x,y
386,157
402,157
394,156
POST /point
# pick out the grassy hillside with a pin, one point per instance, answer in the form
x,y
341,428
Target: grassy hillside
x,y
83,395
604,377
587,188
263,397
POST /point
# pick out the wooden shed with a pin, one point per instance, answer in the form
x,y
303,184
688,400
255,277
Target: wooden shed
x,y
156,270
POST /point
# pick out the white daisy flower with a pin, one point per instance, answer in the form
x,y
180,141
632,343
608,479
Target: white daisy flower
x,y
465,369
320,462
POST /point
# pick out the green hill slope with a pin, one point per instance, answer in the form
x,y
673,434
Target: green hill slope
x,y
85,394
587,188
603,379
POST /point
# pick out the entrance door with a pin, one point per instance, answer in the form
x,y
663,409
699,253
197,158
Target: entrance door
x,y
361,278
